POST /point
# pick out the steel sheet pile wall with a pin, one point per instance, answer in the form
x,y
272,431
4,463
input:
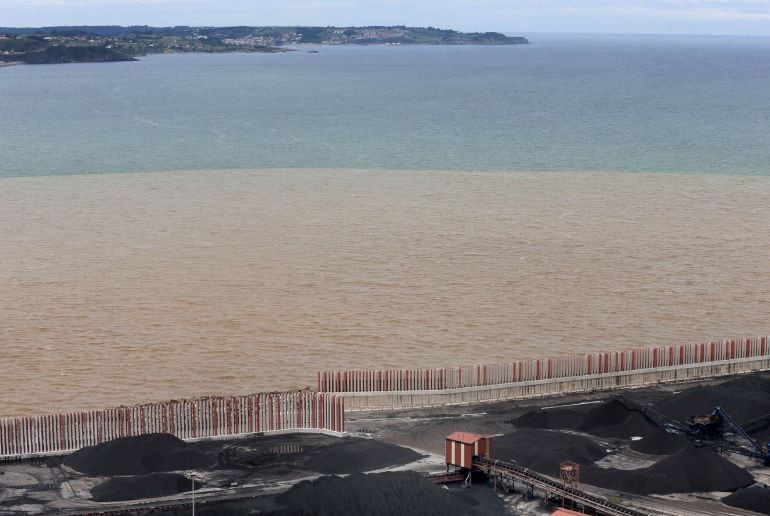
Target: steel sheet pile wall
x,y
545,376
186,419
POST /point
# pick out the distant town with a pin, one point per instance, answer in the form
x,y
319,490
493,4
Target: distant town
x,y
114,43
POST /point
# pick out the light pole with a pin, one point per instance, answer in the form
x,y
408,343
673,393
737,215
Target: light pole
x,y
192,479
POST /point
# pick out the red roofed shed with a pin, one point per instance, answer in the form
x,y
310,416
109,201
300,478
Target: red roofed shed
x,y
460,447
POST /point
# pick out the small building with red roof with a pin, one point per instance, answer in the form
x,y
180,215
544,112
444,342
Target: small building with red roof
x,y
461,447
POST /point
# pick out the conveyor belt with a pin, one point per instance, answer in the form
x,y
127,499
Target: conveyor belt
x,y
514,471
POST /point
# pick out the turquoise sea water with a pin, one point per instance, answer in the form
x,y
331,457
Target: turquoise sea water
x,y
674,104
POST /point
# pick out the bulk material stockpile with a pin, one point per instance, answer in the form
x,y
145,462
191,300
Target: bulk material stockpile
x,y
185,419
400,388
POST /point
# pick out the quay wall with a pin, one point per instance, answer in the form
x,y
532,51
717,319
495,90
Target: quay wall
x,y
402,388
187,419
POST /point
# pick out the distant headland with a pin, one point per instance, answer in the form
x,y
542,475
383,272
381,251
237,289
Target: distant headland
x,y
88,44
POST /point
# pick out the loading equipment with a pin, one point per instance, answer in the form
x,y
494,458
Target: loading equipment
x,y
668,424
714,425
708,428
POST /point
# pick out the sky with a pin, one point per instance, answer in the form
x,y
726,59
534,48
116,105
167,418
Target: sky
x,y
729,17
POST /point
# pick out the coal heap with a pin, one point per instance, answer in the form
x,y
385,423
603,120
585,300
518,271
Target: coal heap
x,y
690,470
613,420
154,485
610,419
544,450
656,441
360,455
138,455
607,415
392,493
556,418
743,398
754,498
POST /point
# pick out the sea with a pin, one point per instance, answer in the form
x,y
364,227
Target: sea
x,y
214,224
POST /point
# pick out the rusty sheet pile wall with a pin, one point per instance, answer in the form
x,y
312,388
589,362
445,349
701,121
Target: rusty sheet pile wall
x,y
186,419
547,376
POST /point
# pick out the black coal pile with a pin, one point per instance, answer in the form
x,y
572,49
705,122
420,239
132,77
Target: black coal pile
x,y
656,441
154,485
377,494
603,417
611,420
360,455
544,450
754,498
556,418
138,456
743,398
689,470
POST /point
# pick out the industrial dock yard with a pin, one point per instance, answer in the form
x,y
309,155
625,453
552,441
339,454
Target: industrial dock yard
x,y
630,460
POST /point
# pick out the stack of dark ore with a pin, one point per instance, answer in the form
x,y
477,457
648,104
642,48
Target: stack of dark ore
x,y
610,420
613,420
551,419
743,398
360,455
544,450
754,498
138,456
376,494
154,485
690,470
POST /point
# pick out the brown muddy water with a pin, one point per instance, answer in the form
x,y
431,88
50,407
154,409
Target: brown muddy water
x,y
118,289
